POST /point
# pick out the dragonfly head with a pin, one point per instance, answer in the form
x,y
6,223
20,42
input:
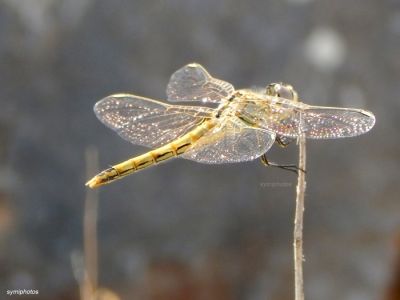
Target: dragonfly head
x,y
282,90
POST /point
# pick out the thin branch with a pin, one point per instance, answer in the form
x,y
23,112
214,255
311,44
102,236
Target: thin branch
x,y
298,221
90,229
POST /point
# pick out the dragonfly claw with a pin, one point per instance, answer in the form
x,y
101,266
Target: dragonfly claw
x,y
291,168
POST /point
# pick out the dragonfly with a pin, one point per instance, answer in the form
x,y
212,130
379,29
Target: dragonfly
x,y
224,126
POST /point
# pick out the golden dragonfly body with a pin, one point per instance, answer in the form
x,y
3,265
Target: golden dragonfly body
x,y
244,125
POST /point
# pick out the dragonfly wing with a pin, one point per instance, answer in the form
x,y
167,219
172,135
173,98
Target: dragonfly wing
x,y
318,122
230,142
147,122
331,123
193,83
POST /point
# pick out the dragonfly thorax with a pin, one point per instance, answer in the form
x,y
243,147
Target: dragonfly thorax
x,y
282,90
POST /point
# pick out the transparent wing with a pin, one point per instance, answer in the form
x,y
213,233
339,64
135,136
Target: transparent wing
x,y
318,122
193,83
331,123
230,142
148,122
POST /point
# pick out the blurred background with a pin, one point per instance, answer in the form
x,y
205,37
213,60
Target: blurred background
x,y
184,230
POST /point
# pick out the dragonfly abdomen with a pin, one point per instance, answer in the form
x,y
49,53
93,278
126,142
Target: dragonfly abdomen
x,y
172,149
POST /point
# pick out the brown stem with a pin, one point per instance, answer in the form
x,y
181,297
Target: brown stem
x,y
90,229
298,221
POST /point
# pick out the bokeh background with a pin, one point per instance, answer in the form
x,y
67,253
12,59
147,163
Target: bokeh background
x,y
184,230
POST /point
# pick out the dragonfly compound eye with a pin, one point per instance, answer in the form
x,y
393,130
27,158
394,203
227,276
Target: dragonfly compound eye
x,y
282,90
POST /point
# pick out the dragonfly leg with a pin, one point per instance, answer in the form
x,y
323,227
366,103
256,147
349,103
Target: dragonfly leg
x,y
283,142
291,167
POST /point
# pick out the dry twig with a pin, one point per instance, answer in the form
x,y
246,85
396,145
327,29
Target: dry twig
x,y
298,221
89,285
